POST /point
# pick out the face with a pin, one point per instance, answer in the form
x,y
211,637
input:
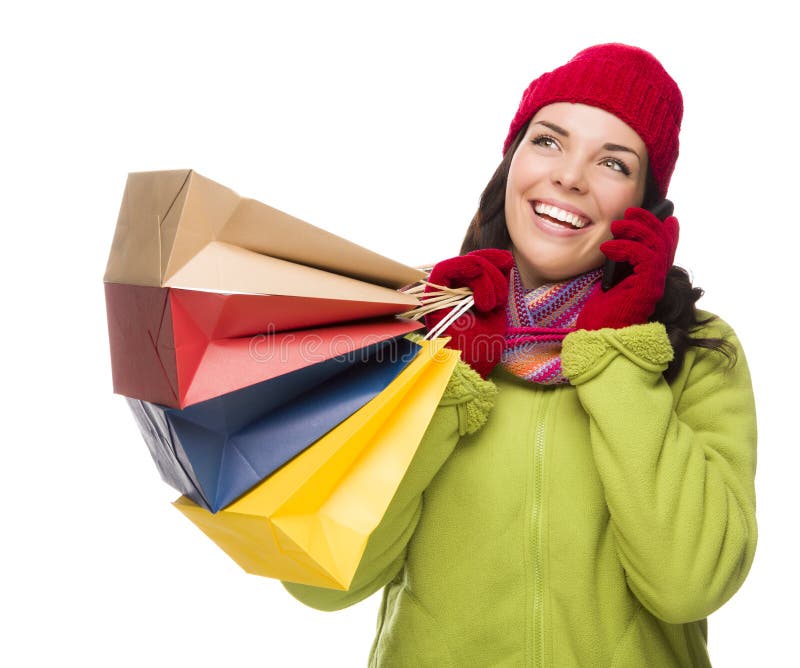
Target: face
x,y
576,170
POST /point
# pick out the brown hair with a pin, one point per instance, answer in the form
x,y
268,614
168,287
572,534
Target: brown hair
x,y
676,310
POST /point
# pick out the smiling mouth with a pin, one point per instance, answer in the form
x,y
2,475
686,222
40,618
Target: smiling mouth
x,y
564,218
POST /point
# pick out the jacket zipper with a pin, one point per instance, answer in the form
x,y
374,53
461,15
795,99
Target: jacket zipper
x,y
538,580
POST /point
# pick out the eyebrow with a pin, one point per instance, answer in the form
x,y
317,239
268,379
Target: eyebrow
x,y
608,146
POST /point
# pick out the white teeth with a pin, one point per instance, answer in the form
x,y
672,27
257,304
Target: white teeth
x,y
560,214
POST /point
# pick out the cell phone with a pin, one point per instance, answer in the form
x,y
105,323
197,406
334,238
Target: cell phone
x,y
614,272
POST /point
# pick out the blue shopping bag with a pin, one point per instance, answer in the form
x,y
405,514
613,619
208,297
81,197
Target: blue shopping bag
x,y
216,450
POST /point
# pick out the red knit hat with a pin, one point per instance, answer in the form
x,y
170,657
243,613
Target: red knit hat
x,y
625,81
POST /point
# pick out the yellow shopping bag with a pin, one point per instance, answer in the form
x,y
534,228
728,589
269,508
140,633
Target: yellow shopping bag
x,y
310,521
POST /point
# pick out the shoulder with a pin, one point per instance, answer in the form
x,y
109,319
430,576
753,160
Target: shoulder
x,y
719,346
712,326
715,368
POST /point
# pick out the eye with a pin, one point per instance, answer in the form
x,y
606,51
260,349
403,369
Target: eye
x,y
617,165
545,141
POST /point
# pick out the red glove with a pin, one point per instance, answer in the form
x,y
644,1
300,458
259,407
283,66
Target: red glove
x,y
479,333
648,245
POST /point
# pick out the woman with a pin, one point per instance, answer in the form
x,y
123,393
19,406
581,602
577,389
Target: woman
x,y
587,497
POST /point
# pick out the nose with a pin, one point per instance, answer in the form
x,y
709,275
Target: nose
x,y
569,175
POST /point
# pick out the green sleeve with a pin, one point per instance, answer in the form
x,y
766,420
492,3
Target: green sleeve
x,y
463,409
677,462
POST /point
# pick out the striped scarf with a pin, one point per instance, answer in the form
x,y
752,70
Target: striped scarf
x,y
538,321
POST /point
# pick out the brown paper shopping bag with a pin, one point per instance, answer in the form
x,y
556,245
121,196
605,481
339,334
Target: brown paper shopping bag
x,y
180,229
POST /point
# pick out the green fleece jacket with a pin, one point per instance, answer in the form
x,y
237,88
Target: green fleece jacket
x,y
592,525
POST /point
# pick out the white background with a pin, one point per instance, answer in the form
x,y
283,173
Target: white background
x,y
380,122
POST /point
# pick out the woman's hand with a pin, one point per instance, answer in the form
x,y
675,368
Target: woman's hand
x,y
648,245
480,333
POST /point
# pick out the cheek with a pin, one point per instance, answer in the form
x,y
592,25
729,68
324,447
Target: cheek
x,y
524,175
617,203
515,204
512,184
524,171
508,197
604,232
